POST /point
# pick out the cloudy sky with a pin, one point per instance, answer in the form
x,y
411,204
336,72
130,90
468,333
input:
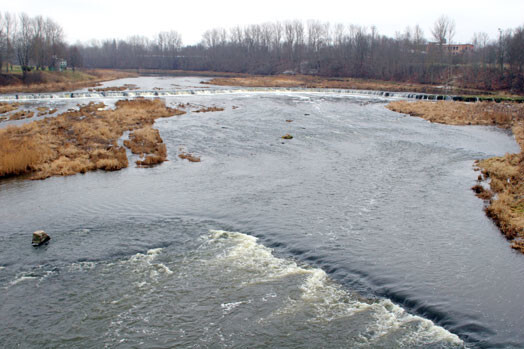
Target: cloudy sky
x,y
100,19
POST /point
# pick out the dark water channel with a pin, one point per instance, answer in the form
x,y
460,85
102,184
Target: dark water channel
x,y
361,231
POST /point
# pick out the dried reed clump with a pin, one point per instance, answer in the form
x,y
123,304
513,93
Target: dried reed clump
x,y
81,140
114,88
150,160
18,155
22,114
505,200
147,141
45,111
7,107
208,109
188,156
481,192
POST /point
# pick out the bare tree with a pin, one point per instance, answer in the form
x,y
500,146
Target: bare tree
x,y
3,42
54,42
10,24
418,36
443,30
24,42
516,50
74,58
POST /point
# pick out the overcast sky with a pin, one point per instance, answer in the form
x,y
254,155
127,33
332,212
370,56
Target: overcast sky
x,y
101,19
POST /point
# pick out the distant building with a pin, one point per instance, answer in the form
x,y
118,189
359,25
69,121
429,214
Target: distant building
x,y
454,49
62,65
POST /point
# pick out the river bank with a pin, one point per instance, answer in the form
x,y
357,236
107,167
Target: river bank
x,y
505,174
309,81
52,81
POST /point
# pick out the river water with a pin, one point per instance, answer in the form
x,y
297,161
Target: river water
x,y
361,231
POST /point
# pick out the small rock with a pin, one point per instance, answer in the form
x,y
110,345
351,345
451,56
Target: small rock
x,y
40,237
287,136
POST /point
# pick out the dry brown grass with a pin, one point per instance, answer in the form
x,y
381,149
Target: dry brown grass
x,y
19,154
505,200
208,109
45,111
460,113
150,160
20,115
114,88
308,81
144,141
189,157
7,107
78,141
66,81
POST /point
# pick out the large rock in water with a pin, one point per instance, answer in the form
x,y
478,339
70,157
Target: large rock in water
x,y
39,237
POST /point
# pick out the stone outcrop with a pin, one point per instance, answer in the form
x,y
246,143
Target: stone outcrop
x,y
40,237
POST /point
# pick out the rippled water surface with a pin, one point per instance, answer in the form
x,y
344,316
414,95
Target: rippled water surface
x,y
361,231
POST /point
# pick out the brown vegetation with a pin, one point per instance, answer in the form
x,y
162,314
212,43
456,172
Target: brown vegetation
x,y
7,107
189,157
48,81
18,155
505,200
147,140
208,109
45,111
78,141
308,81
20,115
459,113
114,88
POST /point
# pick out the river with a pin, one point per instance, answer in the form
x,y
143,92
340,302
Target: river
x,y
361,231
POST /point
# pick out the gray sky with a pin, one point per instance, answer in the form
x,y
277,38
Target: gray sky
x,y
101,19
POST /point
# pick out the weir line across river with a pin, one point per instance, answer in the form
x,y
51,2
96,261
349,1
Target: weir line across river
x,y
170,93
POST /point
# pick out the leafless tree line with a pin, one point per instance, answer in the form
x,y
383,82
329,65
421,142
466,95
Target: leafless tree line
x,y
137,52
314,47
30,41
292,47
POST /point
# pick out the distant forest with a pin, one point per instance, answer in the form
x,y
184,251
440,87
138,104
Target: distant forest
x,y
291,47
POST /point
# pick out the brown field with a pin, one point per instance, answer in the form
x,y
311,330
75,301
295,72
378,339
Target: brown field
x,y
308,81
505,199
82,140
45,81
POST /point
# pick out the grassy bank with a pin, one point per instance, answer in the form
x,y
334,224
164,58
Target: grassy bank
x,y
84,140
52,81
308,81
505,174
